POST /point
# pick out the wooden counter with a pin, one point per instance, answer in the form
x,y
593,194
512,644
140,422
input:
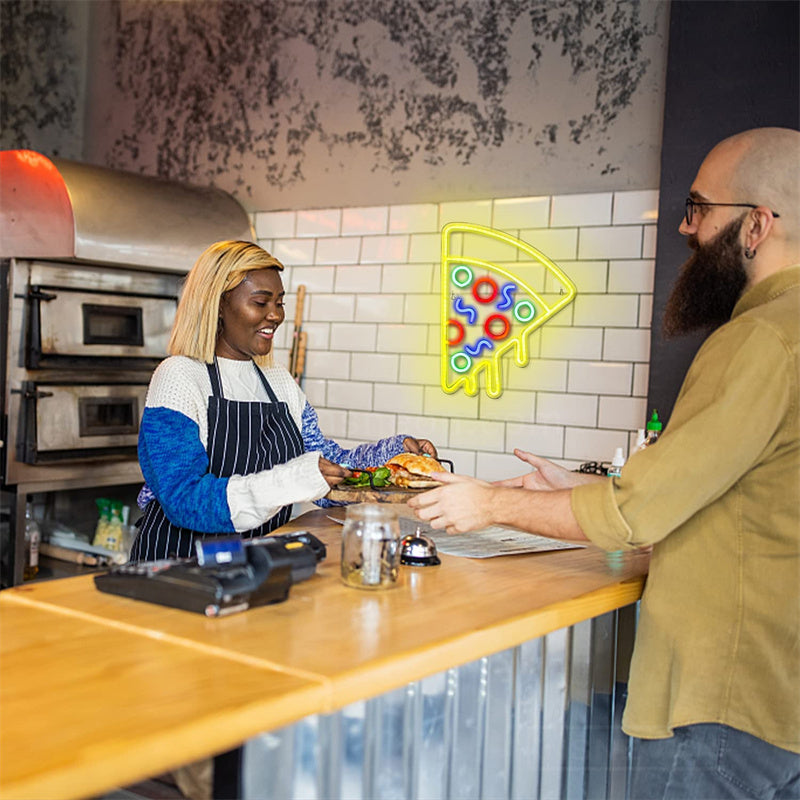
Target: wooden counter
x,y
327,646
89,706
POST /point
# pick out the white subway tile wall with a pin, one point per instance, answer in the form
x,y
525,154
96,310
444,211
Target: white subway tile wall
x,y
372,317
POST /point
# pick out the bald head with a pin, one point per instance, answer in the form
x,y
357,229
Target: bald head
x,y
763,165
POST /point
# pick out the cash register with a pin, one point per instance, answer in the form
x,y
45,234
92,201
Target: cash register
x,y
226,575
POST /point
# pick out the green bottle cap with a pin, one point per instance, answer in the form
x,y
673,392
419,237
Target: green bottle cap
x,y
653,424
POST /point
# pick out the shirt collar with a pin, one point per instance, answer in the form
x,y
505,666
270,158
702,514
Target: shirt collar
x,y
768,289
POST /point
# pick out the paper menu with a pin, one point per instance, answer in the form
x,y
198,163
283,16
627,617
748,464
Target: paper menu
x,y
496,540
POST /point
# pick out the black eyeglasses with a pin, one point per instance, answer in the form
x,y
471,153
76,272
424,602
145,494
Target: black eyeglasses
x,y
692,204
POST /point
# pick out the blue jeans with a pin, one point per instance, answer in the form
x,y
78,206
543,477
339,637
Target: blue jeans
x,y
713,762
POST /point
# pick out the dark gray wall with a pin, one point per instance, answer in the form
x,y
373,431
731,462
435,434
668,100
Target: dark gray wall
x,y
732,65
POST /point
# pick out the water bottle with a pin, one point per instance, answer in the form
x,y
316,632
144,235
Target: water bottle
x,y
33,536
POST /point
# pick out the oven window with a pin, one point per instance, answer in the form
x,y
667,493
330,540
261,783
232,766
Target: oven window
x,y
112,325
102,416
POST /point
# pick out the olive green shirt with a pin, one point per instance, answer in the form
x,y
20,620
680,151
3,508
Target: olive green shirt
x,y
718,497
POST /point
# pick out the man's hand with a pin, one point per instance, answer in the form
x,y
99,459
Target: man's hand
x,y
333,473
466,504
462,504
419,446
546,475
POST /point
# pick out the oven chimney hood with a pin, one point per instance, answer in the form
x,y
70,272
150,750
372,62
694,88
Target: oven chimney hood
x,y
53,208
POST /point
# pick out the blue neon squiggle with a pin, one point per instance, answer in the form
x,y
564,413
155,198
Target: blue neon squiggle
x,y
482,344
507,291
462,308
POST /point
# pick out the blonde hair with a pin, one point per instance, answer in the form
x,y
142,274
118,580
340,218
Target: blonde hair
x,y
220,268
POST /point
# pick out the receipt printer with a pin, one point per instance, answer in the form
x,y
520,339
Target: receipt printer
x,y
227,574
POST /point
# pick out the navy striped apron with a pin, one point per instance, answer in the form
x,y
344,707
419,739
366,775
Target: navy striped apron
x,y
243,438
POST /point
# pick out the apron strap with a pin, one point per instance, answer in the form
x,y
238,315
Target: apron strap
x,y
265,383
216,383
213,374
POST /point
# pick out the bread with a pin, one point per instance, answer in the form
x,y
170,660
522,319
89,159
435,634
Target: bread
x,y
412,471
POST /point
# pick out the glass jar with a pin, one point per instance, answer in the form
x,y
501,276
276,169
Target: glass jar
x,y
370,546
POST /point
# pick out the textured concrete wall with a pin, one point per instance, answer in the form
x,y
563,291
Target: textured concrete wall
x,y
43,47
308,103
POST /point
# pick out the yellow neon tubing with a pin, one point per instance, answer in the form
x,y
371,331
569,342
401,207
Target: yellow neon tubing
x,y
491,364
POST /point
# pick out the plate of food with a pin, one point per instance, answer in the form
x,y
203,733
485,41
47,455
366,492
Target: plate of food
x,y
399,479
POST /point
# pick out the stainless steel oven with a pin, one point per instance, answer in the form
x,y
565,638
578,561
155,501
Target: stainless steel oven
x,y
91,262
83,358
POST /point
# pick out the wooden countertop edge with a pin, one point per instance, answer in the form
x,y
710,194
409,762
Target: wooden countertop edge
x,y
379,676
324,694
167,750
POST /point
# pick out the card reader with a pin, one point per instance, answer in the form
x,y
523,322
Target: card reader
x,y
228,574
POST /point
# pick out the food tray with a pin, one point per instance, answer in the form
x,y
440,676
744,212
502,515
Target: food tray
x,y
365,494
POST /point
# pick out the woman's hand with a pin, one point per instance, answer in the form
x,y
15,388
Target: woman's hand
x,y
546,475
419,446
333,473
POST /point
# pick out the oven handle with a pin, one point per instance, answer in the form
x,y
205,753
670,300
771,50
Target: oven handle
x,y
35,293
26,441
33,335
31,393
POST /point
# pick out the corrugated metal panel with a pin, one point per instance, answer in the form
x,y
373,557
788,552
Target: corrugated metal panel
x,y
537,722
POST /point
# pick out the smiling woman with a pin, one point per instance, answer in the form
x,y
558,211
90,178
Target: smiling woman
x,y
228,441
249,316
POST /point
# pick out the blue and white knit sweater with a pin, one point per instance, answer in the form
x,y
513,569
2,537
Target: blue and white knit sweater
x,y
173,437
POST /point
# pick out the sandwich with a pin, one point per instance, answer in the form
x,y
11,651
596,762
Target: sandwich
x,y
412,471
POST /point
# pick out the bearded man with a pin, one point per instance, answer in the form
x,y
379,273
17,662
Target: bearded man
x,y
714,691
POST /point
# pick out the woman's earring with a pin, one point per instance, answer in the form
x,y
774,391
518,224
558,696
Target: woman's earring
x,y
748,253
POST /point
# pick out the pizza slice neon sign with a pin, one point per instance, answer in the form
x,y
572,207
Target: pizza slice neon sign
x,y
487,310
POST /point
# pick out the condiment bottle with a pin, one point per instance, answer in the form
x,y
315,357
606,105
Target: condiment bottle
x,y
371,546
101,531
652,432
614,557
33,536
114,529
617,463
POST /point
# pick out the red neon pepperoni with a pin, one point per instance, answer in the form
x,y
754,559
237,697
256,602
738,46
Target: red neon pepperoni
x,y
480,282
487,326
459,335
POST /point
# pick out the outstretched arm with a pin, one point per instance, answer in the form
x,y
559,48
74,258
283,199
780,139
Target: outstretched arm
x,y
546,476
466,504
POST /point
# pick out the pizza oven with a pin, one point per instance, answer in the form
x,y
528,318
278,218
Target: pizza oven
x,y
92,261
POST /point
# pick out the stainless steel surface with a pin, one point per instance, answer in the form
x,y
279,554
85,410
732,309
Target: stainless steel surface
x,y
418,550
536,722
92,260
77,417
55,208
72,420
74,323
87,404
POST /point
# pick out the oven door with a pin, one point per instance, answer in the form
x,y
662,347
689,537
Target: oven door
x,y
70,422
73,329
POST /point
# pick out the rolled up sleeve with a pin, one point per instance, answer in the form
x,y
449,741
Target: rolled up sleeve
x,y
730,406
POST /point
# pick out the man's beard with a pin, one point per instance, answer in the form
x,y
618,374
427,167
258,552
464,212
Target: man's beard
x,y
709,284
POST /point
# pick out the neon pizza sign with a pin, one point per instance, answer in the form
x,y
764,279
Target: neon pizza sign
x,y
486,309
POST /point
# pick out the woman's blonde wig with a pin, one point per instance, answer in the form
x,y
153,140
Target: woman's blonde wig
x,y
220,268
